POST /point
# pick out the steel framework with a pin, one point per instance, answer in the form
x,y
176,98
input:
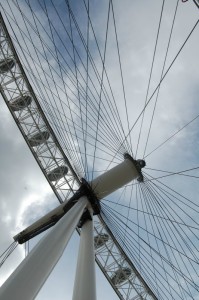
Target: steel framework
x,y
31,120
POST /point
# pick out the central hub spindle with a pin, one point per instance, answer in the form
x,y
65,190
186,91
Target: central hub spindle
x,y
118,176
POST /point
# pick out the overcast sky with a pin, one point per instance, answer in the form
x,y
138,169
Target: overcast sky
x,y
25,194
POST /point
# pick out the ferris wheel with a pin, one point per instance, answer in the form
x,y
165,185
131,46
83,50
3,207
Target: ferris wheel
x,y
106,97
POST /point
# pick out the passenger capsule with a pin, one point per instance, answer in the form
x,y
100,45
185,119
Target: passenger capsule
x,y
121,276
100,240
20,103
39,138
57,173
6,65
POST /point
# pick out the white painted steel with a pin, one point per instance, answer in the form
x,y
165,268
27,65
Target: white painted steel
x,y
56,212
26,281
114,179
85,281
50,155
103,185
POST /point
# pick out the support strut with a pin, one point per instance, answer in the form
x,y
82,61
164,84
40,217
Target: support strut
x,y
26,281
85,282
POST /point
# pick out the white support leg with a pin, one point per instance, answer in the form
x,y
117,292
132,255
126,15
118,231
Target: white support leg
x,y
85,282
26,281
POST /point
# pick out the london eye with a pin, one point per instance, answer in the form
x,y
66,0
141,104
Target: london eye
x,y
100,179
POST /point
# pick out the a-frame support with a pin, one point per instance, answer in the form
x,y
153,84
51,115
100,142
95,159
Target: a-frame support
x,y
26,281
